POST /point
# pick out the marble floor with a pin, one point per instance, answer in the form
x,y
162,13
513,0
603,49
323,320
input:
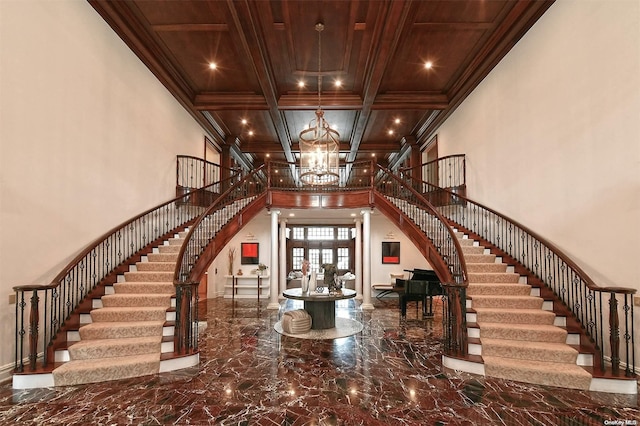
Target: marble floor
x,y
388,374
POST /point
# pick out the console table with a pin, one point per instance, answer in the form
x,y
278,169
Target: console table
x,y
246,286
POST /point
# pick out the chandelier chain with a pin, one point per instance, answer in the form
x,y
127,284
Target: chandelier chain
x,y
319,28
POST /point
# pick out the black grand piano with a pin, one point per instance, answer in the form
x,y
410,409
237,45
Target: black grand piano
x,y
421,287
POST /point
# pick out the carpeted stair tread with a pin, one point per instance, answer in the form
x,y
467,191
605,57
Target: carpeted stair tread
x,y
514,316
505,289
491,277
539,372
470,258
107,348
145,276
129,313
156,266
506,302
105,369
144,288
118,330
163,257
526,350
523,332
487,267
169,249
472,250
136,299
466,242
176,241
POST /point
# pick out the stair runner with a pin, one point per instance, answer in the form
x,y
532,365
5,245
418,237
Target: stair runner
x,y
517,339
123,337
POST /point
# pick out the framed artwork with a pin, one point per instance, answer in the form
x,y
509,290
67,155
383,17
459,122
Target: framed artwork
x,y
249,253
390,252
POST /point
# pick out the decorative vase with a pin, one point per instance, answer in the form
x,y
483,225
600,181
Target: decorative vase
x,y
312,282
304,283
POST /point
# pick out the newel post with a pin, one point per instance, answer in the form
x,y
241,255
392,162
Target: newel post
x,y
34,323
614,333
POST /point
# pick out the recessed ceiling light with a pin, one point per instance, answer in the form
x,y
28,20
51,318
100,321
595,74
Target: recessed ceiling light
x,y
301,84
244,121
397,121
292,214
250,132
390,132
428,65
373,155
338,83
212,65
268,155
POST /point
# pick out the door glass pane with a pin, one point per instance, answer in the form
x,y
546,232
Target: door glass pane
x,y
343,258
298,257
314,260
327,256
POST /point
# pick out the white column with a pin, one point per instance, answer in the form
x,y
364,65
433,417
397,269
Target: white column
x,y
273,283
283,257
366,260
358,260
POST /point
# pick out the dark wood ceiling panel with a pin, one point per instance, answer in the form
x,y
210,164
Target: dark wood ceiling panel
x,y
194,50
400,122
447,11
257,122
262,49
447,49
170,12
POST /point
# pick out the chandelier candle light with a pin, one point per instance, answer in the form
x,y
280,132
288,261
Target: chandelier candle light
x,y
319,144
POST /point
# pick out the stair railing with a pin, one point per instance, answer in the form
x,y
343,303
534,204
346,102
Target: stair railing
x,y
605,313
201,237
193,173
448,172
43,310
435,226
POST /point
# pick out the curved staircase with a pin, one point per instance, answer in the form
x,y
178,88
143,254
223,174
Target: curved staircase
x,y
129,330
515,330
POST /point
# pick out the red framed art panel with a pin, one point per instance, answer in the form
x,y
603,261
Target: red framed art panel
x,y
390,252
249,253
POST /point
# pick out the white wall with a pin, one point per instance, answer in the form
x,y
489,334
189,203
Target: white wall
x,y
88,139
258,230
552,135
410,257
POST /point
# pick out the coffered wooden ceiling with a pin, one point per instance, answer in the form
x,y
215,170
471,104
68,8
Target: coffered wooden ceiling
x,y
377,49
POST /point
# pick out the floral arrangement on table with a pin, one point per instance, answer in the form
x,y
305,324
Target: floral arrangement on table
x,y
261,268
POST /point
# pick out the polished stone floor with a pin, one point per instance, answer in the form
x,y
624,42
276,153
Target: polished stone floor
x,y
389,374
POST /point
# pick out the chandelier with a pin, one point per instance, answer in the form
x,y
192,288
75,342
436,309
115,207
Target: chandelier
x,y
319,143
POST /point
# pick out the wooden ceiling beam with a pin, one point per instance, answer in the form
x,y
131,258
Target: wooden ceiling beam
x,y
249,34
229,101
387,30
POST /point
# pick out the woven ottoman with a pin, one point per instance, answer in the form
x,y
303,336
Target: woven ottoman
x,y
296,321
